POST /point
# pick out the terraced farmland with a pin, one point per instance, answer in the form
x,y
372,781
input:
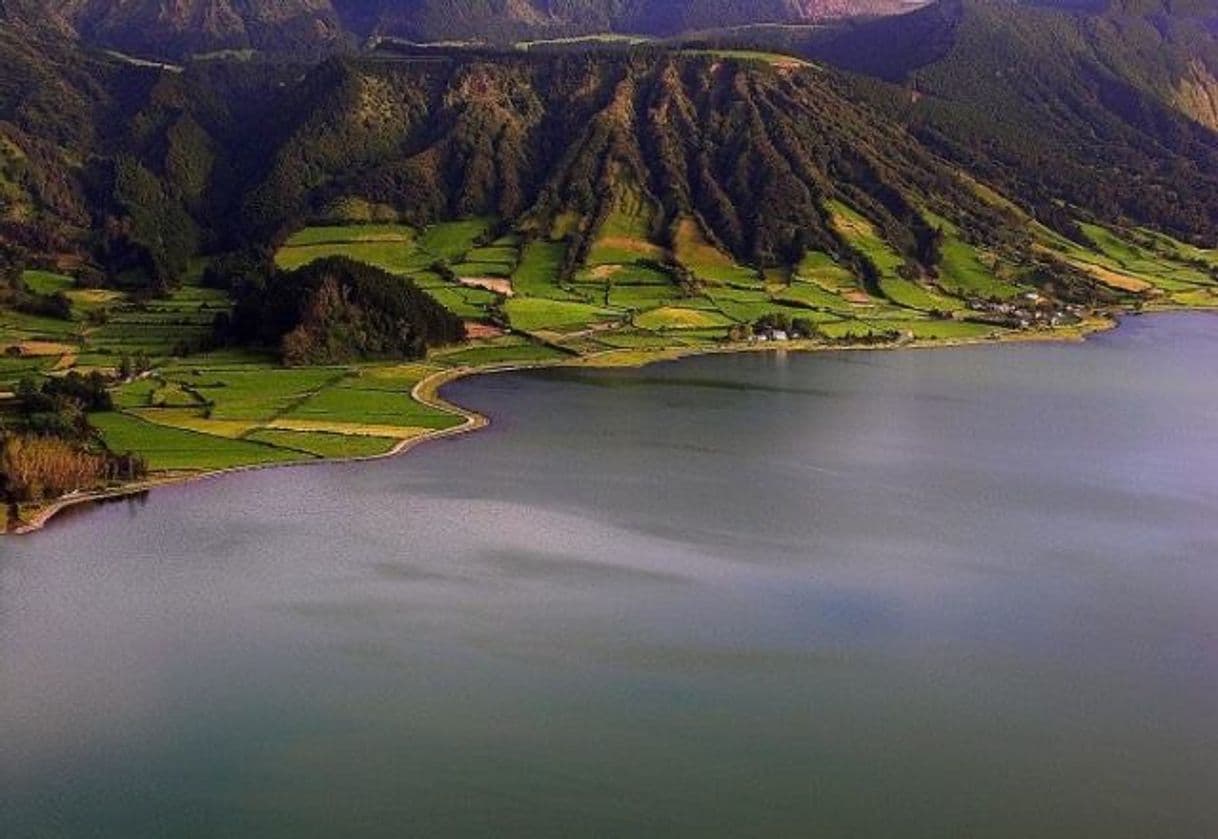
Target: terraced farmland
x,y
200,409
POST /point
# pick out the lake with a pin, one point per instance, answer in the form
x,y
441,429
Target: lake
x,y
953,593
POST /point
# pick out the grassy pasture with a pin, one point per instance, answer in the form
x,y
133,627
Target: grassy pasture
x,y
913,296
512,351
640,297
13,370
862,235
194,419
538,272
504,254
640,274
500,270
675,317
391,247
707,262
16,326
864,238
259,395
321,444
962,272
625,235
1158,260
349,404
175,449
638,339
533,314
810,295
46,282
748,305
465,302
823,270
452,240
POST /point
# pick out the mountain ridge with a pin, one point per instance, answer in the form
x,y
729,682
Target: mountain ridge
x,y
152,28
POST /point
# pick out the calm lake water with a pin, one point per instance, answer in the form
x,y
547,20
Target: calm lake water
x,y
958,593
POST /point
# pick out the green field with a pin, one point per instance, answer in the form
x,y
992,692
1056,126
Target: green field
x,y
537,274
351,403
176,449
452,240
865,238
46,282
707,262
533,314
503,351
325,445
812,296
672,317
823,270
391,247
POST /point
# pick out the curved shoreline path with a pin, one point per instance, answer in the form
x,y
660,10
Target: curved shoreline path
x,y
427,393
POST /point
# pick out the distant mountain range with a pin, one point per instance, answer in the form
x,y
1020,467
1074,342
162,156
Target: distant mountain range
x,y
175,29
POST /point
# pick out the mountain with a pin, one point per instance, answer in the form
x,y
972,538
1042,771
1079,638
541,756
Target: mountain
x,y
1068,116
156,28
227,154
1111,109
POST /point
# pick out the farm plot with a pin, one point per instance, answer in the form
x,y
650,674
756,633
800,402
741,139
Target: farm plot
x,y
391,247
707,262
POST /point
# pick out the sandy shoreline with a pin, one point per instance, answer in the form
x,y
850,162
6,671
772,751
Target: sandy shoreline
x,y
427,392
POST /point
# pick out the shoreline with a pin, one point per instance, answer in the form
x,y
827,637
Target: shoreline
x,y
427,392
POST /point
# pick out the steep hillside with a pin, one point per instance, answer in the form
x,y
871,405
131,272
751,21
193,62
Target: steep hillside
x,y
150,27
225,156
1112,112
690,168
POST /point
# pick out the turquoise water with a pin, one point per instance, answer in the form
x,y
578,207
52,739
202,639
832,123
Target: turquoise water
x,y
965,592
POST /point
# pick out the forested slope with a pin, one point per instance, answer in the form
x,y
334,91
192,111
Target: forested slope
x,y
224,157
1110,111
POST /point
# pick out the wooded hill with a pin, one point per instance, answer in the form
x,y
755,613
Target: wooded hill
x,y
1111,109
140,169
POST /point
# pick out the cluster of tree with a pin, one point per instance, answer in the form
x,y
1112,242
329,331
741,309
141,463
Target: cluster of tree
x,y
58,405
37,467
795,327
16,295
336,310
48,448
